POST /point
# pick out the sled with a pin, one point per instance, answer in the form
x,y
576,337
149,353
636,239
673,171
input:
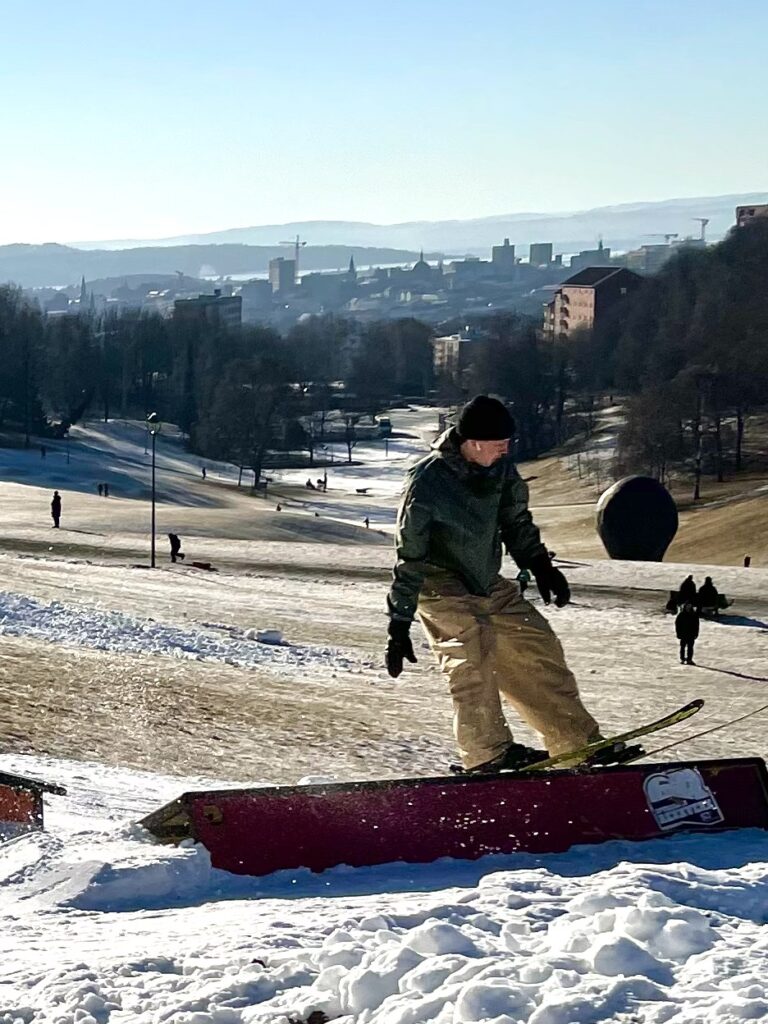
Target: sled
x,y
21,804
709,611
419,820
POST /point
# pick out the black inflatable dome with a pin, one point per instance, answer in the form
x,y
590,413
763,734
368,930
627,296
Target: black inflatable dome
x,y
637,519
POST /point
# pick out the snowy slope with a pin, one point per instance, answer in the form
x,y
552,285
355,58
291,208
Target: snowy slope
x,y
130,687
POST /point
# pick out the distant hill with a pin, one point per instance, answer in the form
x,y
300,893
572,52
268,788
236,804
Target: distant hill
x,y
331,243
52,265
623,227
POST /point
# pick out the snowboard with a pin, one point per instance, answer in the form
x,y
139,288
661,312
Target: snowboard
x,y
580,758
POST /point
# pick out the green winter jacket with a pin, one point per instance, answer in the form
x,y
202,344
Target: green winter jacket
x,y
452,522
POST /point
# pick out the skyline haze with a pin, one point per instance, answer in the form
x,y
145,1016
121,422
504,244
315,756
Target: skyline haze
x,y
163,122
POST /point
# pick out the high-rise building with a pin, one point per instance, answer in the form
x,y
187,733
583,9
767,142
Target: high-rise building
x,y
257,298
580,302
540,254
282,274
503,257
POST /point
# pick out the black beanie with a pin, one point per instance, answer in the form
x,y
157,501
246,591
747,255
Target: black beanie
x,y
484,419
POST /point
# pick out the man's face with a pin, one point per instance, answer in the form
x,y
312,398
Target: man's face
x,y
484,453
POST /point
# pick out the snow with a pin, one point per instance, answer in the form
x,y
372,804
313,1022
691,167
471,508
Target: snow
x,y
110,678
97,922
99,630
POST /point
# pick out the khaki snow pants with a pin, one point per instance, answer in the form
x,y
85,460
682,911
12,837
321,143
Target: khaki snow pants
x,y
500,644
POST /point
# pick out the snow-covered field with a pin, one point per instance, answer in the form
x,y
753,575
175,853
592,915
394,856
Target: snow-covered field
x,y
130,686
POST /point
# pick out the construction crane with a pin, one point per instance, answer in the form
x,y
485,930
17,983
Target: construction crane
x,y
297,243
703,221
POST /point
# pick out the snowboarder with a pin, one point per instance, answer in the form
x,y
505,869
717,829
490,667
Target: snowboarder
x,y
687,591
203,472
461,502
687,630
708,599
56,509
176,551
367,522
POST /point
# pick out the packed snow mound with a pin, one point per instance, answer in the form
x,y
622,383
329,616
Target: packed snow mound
x,y
103,630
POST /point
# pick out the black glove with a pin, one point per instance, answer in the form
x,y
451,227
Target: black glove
x,y
550,581
399,647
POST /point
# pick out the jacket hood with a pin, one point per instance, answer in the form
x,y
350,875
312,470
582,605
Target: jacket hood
x,y
447,441
447,446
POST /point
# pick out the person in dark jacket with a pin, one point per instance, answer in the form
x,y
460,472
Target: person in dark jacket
x,y
176,551
461,503
687,591
56,509
708,598
687,630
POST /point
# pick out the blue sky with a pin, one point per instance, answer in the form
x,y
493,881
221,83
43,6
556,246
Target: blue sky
x,y
139,120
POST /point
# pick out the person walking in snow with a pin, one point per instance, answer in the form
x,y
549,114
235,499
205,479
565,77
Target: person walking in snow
x,y
176,551
687,591
687,630
461,503
56,509
100,489
106,490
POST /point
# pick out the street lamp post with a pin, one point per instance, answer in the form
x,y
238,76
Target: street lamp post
x,y
153,426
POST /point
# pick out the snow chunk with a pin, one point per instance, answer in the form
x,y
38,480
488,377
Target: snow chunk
x,y
431,974
366,987
495,1000
615,955
438,937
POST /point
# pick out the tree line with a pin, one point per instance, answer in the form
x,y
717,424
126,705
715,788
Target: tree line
x,y
235,392
689,351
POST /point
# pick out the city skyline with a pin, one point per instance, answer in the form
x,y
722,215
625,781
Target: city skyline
x,y
162,122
